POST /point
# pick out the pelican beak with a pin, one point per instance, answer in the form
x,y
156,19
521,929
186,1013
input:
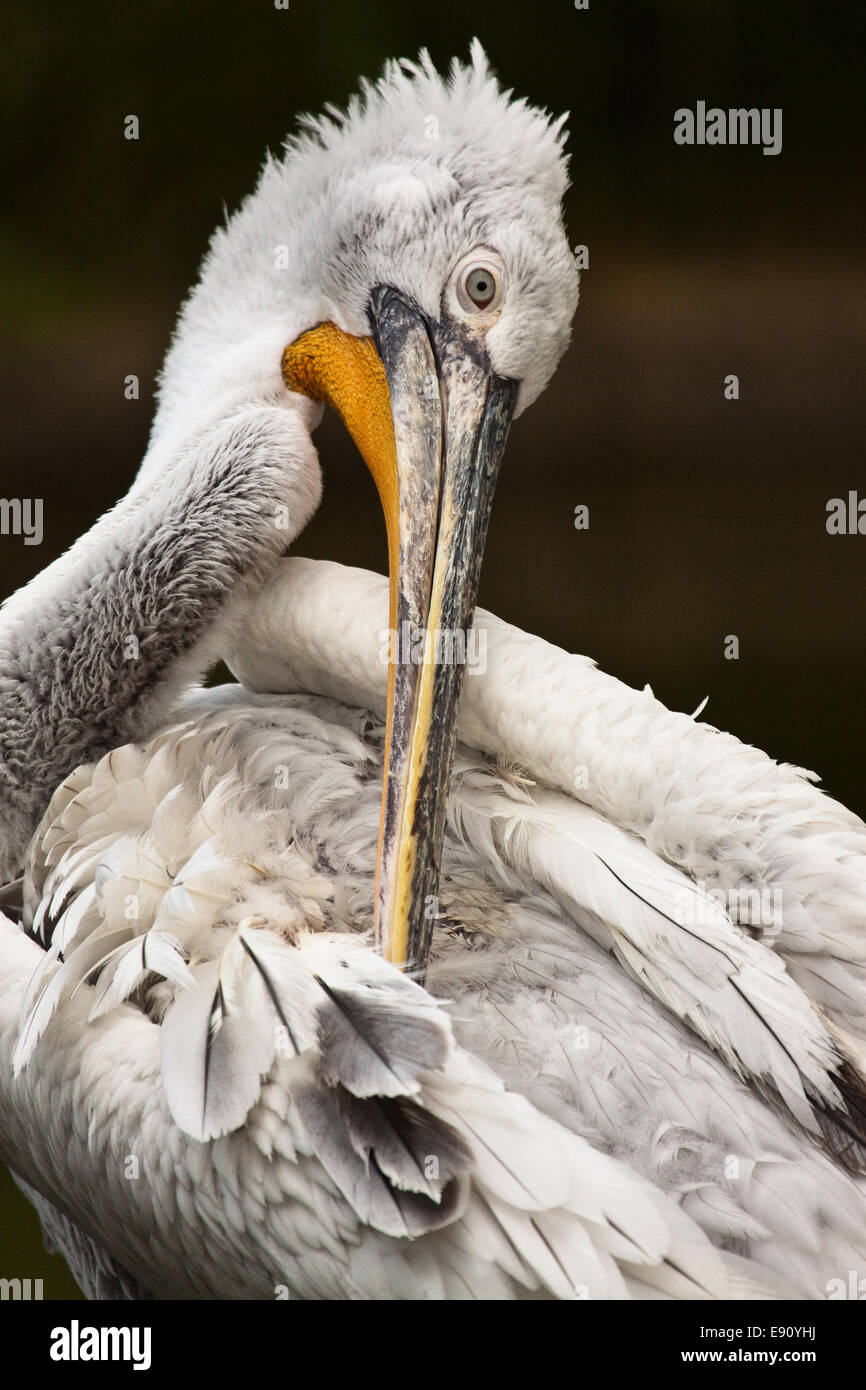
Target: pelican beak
x,y
434,443
451,416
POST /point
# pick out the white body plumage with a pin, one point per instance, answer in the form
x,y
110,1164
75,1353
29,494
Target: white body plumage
x,y
573,969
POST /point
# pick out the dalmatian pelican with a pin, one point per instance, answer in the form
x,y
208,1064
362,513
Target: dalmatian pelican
x,y
324,985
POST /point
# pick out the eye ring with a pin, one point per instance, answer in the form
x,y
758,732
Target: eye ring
x,y
478,284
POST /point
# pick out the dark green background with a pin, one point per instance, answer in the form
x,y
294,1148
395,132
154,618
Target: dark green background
x,y
707,517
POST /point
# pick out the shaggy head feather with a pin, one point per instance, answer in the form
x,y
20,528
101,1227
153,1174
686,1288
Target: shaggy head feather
x,y
417,172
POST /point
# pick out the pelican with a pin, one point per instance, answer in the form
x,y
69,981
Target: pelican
x,y
462,971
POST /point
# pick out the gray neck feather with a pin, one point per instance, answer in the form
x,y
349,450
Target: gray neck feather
x,y
95,650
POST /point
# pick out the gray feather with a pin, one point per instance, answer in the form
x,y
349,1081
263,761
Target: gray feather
x,y
375,1200
414,1149
375,1044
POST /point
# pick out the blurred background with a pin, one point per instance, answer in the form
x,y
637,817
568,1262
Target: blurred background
x,y
707,516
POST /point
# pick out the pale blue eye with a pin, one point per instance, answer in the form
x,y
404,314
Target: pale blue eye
x,y
481,287
478,288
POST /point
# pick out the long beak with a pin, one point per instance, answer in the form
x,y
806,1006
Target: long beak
x,y
451,416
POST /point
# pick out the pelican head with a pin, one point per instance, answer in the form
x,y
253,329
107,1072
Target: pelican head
x,y
405,262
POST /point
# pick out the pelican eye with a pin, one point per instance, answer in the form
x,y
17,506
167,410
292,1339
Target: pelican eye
x,y
479,288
